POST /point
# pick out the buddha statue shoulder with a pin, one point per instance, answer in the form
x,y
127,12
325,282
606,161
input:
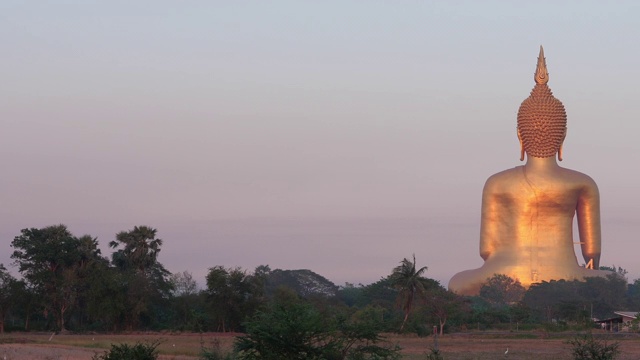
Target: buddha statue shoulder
x,y
527,215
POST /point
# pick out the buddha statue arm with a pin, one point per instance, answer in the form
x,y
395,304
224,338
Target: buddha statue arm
x,y
588,214
488,221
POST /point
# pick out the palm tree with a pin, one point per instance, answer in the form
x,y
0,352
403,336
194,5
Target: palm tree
x,y
140,250
144,278
410,283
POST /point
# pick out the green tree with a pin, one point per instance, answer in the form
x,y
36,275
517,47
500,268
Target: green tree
x,y
188,302
90,261
106,300
605,295
380,293
351,294
234,295
486,314
145,279
444,305
359,338
567,301
520,313
304,282
183,284
28,303
502,290
578,301
633,295
617,270
51,259
8,294
140,248
410,283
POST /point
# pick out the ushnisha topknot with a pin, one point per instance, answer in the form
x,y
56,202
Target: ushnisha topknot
x,y
542,120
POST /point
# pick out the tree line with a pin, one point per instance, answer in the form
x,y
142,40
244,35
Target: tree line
x,y
68,285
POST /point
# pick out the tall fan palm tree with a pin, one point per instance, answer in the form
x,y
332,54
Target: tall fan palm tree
x,y
140,249
144,279
410,283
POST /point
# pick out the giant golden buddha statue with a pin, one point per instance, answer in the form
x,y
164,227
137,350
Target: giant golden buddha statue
x,y
526,229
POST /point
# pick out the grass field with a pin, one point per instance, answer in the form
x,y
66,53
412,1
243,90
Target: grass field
x,y
184,346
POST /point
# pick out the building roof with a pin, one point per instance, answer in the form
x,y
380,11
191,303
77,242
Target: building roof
x,y
631,314
620,317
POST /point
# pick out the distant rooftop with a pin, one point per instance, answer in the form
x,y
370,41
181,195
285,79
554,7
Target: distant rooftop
x,y
630,314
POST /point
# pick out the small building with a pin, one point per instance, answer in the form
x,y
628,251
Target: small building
x,y
623,321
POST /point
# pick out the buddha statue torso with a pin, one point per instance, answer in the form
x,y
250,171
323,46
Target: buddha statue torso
x,y
527,212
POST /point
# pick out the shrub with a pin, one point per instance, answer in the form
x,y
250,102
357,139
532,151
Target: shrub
x,y
434,355
138,351
214,352
297,331
589,348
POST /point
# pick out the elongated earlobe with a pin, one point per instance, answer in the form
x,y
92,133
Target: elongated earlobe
x,y
562,144
560,153
521,146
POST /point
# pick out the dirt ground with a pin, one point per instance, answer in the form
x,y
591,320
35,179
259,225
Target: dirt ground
x,y
187,346
59,352
490,346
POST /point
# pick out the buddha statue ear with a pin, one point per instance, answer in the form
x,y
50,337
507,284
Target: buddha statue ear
x,y
561,144
522,146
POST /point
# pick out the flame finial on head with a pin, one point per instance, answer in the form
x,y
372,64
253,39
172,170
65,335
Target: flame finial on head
x,y
542,75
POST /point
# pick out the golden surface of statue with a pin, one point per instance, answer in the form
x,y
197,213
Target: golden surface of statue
x,y
526,229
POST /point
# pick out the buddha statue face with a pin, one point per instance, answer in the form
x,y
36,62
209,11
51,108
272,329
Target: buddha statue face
x,y
542,120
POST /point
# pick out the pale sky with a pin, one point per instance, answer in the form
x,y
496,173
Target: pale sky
x,y
336,136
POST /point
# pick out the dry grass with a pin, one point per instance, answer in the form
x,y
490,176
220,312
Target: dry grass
x,y
184,346
522,346
172,346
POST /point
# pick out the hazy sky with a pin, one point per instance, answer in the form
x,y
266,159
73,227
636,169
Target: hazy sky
x,y
338,136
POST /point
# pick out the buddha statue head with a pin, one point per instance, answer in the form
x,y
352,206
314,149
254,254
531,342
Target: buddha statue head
x,y
542,120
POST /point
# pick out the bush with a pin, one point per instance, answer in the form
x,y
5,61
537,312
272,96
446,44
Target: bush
x,y
214,352
588,348
297,331
138,351
434,355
